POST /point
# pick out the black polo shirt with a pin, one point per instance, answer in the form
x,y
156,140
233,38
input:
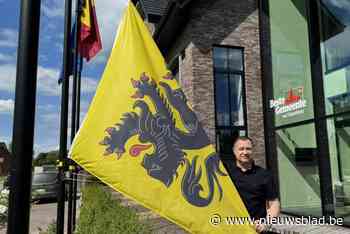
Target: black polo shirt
x,y
255,187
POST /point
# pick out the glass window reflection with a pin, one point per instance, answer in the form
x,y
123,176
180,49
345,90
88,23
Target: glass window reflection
x,y
335,50
235,60
339,142
297,166
222,103
220,58
236,100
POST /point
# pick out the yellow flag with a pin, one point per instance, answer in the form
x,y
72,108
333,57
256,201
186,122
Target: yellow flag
x,y
141,138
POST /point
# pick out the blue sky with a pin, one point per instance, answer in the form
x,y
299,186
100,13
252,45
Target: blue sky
x,y
47,116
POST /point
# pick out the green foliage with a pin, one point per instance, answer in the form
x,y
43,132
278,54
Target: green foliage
x,y
100,214
46,158
51,229
4,196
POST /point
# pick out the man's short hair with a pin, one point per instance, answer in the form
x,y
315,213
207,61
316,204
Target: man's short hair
x,y
242,138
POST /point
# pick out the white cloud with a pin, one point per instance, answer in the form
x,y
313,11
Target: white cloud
x,y
46,108
6,58
8,37
6,106
88,85
53,8
46,81
50,118
7,77
108,16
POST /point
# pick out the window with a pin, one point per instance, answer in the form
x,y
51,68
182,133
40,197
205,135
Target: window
x,y
229,97
335,33
334,23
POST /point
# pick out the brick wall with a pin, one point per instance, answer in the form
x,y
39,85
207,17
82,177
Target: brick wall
x,y
221,22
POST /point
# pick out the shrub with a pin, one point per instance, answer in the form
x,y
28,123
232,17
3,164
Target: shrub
x,y
4,196
100,214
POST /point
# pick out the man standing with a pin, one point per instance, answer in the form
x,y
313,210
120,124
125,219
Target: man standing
x,y
253,183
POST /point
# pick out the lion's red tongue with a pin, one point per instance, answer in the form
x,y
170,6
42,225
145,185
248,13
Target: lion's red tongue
x,y
135,150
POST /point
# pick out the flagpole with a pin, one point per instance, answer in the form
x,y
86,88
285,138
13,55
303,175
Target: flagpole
x,y
24,116
64,119
75,188
74,113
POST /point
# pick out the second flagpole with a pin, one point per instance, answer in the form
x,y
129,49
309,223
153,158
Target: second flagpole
x,y
74,124
64,120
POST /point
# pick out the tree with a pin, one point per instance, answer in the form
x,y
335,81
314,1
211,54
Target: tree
x,y
46,158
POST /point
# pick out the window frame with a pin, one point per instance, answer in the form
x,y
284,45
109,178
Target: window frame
x,y
229,72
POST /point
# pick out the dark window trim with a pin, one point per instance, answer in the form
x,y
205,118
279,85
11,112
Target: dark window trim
x,y
344,65
326,185
267,92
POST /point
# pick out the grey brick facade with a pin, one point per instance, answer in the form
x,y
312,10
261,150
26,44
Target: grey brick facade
x,y
222,22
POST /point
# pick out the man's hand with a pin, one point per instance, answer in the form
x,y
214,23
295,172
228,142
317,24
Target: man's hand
x,y
259,227
273,208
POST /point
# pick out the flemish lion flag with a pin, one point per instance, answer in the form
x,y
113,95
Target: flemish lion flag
x,y
141,138
89,37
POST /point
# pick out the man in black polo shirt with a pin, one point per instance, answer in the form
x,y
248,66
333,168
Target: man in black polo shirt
x,y
253,183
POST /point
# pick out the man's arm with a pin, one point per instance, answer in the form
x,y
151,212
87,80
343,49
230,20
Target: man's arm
x,y
273,207
272,210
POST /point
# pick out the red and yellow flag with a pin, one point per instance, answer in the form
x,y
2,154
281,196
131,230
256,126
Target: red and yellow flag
x,y
89,37
142,138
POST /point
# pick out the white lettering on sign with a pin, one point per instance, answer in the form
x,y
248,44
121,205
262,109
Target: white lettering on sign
x,y
291,105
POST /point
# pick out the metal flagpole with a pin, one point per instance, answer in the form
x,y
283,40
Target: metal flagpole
x,y
24,116
64,119
71,196
75,186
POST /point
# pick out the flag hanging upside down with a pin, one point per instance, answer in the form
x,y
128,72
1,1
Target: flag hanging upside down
x,y
141,138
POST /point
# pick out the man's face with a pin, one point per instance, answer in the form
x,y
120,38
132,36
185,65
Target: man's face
x,y
243,151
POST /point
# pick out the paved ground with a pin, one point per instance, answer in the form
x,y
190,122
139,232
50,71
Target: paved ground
x,y
41,216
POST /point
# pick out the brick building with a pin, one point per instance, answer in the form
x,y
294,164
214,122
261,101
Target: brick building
x,y
277,71
186,35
